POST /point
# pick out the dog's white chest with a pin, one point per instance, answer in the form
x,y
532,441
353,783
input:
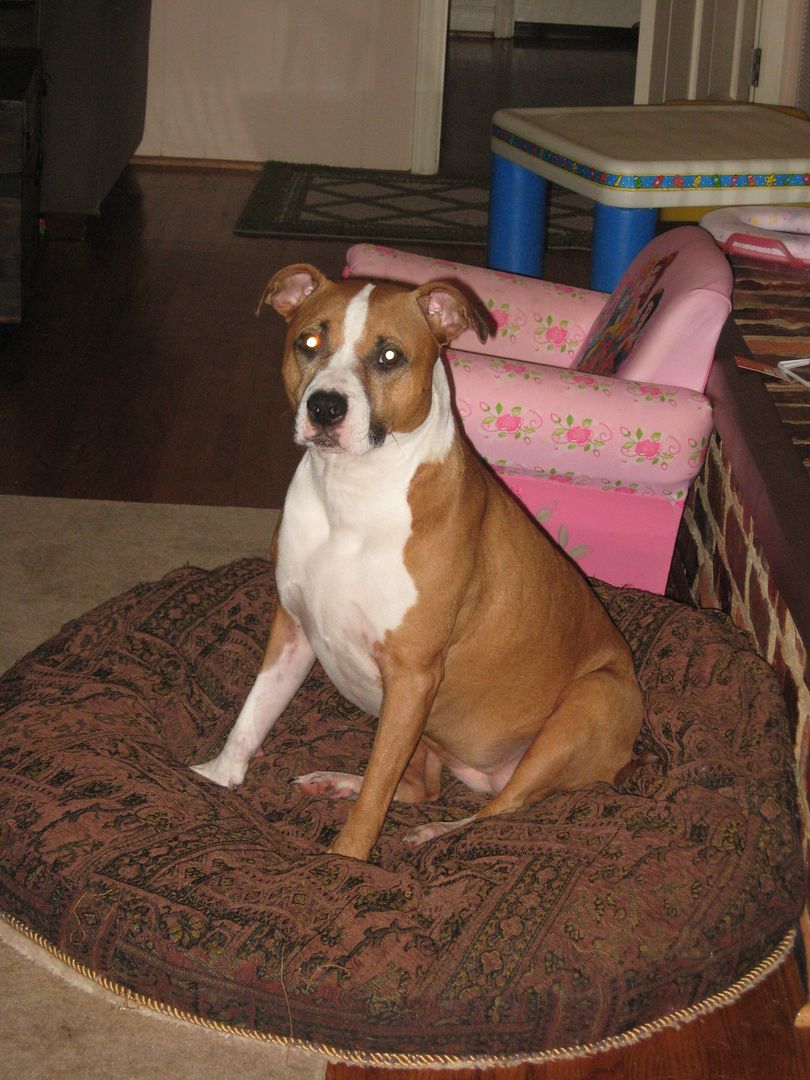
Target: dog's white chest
x,y
341,569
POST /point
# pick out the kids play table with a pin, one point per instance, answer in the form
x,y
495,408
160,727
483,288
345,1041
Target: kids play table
x,y
633,160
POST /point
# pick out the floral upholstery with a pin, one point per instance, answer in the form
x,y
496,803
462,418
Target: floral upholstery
x,y
572,920
568,441
606,432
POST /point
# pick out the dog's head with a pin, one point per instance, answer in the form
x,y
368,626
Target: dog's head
x,y
359,356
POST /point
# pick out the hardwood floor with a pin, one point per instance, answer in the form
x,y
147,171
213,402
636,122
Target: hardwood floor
x,y
140,371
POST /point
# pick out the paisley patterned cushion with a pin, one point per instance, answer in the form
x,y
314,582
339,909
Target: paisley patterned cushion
x,y
573,920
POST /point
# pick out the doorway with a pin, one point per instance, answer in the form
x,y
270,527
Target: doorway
x,y
543,65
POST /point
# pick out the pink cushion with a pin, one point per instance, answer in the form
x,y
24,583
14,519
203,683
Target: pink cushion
x,y
575,427
613,537
663,319
602,463
530,319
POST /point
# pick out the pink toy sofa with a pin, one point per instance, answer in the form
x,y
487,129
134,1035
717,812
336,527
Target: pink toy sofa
x,y
588,405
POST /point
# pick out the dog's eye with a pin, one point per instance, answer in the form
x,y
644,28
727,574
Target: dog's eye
x,y
309,342
389,356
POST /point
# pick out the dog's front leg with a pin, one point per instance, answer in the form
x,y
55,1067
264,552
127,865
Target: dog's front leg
x,y
287,662
407,700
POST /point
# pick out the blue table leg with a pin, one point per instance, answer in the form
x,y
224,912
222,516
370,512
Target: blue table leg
x,y
517,218
619,234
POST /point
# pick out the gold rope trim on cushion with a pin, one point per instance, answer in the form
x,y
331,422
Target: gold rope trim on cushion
x,y
612,1042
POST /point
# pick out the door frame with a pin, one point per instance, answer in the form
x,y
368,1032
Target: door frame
x,y
431,51
779,35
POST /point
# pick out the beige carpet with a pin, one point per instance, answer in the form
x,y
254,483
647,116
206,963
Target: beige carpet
x,y
57,559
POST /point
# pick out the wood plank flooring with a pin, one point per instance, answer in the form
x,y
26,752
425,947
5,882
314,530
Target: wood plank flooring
x,y
141,373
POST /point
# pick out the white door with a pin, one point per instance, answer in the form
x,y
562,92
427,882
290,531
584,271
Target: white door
x,y
695,49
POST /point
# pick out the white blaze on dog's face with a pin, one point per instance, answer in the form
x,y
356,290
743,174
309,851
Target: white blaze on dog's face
x,y
359,356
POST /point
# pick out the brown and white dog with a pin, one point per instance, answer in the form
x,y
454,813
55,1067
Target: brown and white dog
x,y
431,600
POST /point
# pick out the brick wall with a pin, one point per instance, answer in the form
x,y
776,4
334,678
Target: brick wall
x,y
723,565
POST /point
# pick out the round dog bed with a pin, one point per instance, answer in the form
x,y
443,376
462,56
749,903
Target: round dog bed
x,y
589,915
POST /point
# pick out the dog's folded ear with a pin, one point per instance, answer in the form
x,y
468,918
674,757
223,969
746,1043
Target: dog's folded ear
x,y
448,312
287,288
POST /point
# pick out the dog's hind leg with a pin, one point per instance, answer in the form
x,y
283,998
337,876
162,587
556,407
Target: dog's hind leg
x,y
587,738
287,661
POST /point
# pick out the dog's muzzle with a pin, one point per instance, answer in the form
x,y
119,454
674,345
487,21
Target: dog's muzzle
x,y
329,427
326,408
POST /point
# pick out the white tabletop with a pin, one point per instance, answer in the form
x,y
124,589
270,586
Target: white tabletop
x,y
663,155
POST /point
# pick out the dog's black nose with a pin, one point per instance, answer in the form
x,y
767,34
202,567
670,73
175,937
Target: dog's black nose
x,y
326,408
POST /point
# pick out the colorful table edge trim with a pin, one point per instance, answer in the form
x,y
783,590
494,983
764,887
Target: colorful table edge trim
x,y
675,182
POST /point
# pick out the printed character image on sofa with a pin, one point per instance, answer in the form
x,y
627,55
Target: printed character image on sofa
x,y
623,321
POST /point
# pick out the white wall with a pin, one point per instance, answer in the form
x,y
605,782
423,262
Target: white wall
x,y
327,81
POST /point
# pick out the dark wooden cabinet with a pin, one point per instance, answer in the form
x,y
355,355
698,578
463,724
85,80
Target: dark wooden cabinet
x,y
20,171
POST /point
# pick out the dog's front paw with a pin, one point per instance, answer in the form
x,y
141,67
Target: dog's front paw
x,y
223,771
431,829
335,785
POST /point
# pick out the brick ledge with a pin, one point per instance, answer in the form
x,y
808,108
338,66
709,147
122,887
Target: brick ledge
x,y
768,471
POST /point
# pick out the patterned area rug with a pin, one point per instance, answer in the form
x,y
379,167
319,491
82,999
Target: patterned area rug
x,y
366,204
